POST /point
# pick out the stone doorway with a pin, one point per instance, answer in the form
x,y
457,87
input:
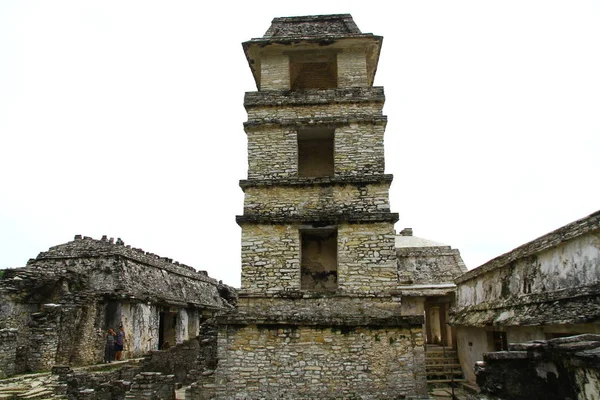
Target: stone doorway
x,y
167,329
437,330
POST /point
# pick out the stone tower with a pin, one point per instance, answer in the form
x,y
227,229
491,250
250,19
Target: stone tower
x,y
317,315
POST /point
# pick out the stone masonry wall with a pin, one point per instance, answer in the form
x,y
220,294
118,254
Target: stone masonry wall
x,y
271,258
358,151
284,107
352,68
309,305
8,352
291,361
366,258
275,72
304,201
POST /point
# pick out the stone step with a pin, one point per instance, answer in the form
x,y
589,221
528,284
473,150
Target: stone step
x,y
14,389
38,393
442,373
446,380
438,367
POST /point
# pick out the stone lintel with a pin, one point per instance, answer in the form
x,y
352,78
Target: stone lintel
x,y
409,321
324,219
322,121
320,181
309,97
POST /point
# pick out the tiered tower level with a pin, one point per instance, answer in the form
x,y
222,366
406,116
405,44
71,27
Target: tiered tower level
x,y
317,314
316,211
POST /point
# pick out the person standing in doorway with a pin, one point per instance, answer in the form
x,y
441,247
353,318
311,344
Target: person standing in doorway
x,y
120,343
109,348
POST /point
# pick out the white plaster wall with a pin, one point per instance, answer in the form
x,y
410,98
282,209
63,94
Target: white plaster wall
x,y
181,334
471,343
141,328
572,264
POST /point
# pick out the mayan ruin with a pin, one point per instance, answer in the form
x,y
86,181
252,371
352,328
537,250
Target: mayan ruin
x,y
334,303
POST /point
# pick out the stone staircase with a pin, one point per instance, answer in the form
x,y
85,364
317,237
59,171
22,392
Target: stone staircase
x,y
442,366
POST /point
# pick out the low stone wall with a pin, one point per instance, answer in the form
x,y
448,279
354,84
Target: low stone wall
x,y
152,386
299,361
177,360
551,370
8,352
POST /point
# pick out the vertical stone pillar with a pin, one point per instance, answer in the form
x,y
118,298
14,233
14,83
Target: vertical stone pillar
x,y
8,352
43,338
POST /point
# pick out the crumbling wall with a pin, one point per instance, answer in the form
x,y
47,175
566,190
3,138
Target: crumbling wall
x,y
550,370
567,258
63,301
8,351
152,386
177,360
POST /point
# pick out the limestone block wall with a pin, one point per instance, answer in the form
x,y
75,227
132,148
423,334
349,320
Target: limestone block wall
x,y
272,153
8,352
317,305
352,68
307,201
287,113
366,258
271,258
275,72
295,361
358,151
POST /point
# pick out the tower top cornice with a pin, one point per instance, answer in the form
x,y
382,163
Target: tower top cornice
x,y
312,33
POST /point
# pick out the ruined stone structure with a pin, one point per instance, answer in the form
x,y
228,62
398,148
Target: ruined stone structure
x,y
555,369
317,315
56,309
426,273
547,288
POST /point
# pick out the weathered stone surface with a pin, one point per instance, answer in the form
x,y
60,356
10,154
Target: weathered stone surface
x,y
64,301
554,369
542,289
298,361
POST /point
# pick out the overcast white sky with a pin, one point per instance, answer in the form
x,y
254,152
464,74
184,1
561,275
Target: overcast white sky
x,y
124,118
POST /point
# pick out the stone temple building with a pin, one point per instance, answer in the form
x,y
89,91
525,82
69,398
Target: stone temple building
x,y
426,273
319,315
546,289
56,309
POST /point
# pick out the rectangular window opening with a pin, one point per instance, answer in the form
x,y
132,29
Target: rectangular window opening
x,y
318,265
315,152
313,71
